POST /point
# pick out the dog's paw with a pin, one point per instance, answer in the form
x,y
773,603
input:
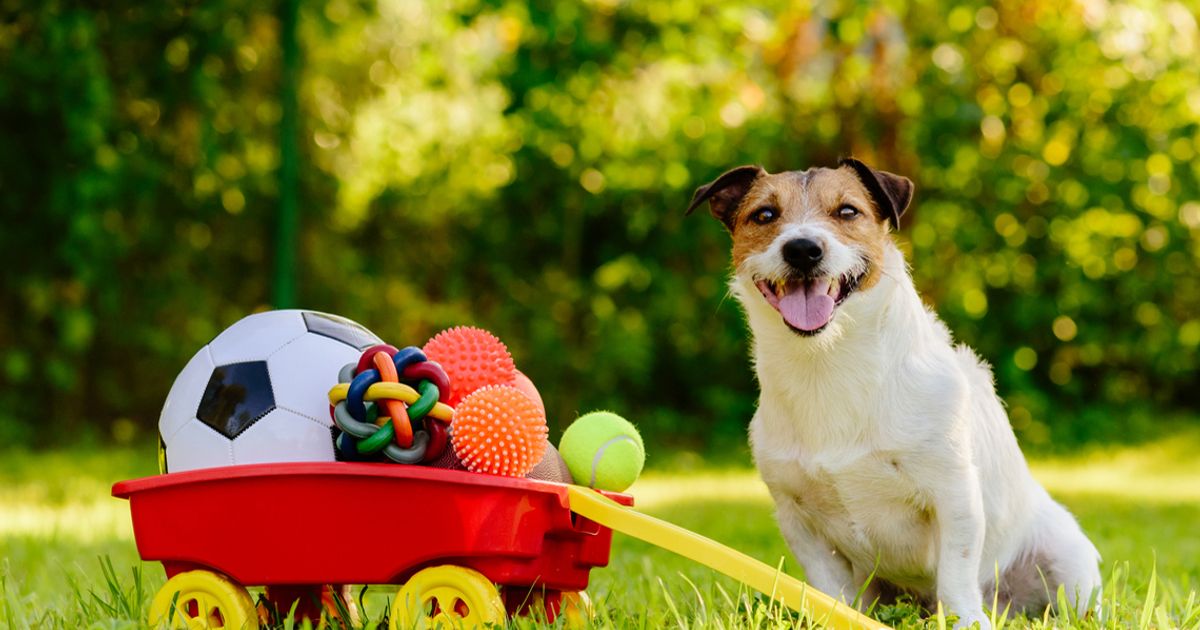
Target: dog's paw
x,y
977,620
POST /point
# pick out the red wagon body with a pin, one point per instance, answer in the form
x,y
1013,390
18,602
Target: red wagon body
x,y
357,523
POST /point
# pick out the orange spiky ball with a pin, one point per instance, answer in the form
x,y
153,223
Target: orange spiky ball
x,y
472,358
499,431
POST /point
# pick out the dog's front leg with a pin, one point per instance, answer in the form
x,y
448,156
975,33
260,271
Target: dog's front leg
x,y
870,590
824,568
958,503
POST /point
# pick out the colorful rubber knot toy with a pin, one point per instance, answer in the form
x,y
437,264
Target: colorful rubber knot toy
x,y
392,402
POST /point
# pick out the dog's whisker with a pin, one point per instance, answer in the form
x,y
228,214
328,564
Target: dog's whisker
x,y
728,294
888,274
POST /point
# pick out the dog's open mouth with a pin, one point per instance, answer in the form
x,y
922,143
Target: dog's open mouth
x,y
807,304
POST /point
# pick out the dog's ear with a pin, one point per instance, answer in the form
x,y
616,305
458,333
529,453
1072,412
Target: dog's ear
x,y
725,192
890,192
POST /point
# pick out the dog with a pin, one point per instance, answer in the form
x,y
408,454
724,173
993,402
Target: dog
x,y
884,445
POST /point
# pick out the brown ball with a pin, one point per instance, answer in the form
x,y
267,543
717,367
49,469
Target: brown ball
x,y
447,459
551,467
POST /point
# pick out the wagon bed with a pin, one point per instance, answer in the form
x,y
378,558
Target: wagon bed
x,y
362,523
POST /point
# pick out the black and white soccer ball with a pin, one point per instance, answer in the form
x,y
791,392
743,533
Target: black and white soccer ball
x,y
259,392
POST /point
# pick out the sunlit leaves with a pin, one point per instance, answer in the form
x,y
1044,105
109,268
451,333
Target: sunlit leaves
x,y
523,165
1051,146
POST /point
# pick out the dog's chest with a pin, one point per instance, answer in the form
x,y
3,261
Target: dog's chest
x,y
844,437
865,504
851,469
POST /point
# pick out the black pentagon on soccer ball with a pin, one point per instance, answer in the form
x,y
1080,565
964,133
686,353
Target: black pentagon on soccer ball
x,y
237,395
340,329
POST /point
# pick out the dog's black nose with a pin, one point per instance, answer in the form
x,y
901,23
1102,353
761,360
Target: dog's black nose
x,y
803,253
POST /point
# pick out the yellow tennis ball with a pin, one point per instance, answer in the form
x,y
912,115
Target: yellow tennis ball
x,y
603,450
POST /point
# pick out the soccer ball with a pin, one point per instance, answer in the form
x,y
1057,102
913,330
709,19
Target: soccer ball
x,y
258,392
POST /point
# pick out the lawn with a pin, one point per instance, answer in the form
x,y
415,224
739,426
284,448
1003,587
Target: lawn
x,y
59,530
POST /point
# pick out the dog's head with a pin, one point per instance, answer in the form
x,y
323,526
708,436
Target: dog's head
x,y
808,240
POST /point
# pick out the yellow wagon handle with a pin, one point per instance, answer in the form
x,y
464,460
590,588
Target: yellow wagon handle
x,y
786,589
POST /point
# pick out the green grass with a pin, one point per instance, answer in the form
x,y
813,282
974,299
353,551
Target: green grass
x,y
67,558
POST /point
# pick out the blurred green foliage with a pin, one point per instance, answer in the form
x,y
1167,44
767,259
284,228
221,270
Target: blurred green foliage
x,y
524,165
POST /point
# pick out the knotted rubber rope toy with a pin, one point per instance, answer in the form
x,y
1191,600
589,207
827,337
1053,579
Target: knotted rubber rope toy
x,y
391,402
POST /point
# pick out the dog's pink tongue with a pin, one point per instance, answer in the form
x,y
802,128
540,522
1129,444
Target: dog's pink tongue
x,y
807,306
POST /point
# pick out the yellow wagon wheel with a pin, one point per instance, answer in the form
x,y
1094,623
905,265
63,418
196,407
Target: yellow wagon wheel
x,y
448,597
202,600
573,607
576,608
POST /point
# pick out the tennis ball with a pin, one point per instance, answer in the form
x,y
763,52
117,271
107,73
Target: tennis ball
x,y
603,450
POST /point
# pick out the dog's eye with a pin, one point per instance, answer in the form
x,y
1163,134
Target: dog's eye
x,y
764,215
847,212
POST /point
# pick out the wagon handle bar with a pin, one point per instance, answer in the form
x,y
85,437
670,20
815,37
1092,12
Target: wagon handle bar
x,y
787,590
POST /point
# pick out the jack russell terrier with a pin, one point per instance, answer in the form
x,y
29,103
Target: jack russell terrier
x,y
884,444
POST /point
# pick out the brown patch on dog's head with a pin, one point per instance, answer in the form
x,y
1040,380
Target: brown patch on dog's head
x,y
842,215
891,193
725,193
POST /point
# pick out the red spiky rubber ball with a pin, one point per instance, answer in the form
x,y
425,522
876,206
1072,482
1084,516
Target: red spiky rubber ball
x,y
499,431
472,358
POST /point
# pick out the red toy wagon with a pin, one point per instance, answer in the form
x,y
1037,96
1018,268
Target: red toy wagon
x,y
468,548
449,537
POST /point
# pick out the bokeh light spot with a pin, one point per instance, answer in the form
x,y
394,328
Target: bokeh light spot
x,y
1065,328
975,303
592,181
1025,358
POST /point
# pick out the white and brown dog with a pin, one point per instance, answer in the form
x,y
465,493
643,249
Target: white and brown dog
x,y
883,444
